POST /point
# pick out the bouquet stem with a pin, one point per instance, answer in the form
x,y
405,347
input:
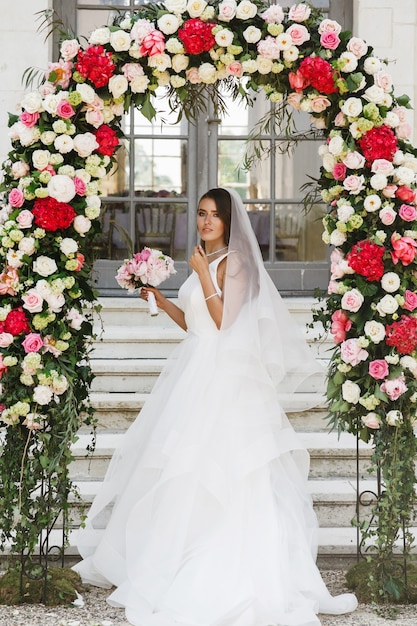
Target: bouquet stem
x,y
153,307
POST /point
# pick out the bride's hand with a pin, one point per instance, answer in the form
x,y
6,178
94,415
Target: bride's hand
x,y
160,299
198,260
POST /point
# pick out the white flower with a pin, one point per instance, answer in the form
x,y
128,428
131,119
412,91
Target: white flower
x,y
48,137
14,258
60,385
118,85
372,65
351,392
196,7
345,212
226,10
100,36
160,62
264,65
55,302
69,49
176,6
168,24
61,188
85,144
352,107
336,145
64,144
246,10
86,92
375,331
408,362
51,102
378,182
75,319
40,159
81,224
349,62
354,160
387,305
180,62
27,245
32,102
337,238
42,394
372,203
120,40
174,46
68,246
329,161
374,94
139,84
45,266
224,37
394,418
404,176
390,282
327,25
207,73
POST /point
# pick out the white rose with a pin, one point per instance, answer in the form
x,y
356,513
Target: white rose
x,y
351,392
48,137
32,102
352,107
176,6
43,288
246,10
227,10
51,102
92,213
40,159
85,144
94,202
118,85
55,302
86,92
81,224
408,362
69,49
372,203
42,394
60,384
387,305
329,161
337,238
336,145
45,266
61,188
264,65
27,245
64,144
354,160
394,418
349,62
224,37
100,36
75,319
68,246
196,7
375,331
207,73
357,46
168,24
160,62
139,84
180,62
120,41
390,282
252,34
378,182
404,176
374,94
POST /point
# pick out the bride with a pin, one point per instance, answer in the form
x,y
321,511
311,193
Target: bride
x,y
211,523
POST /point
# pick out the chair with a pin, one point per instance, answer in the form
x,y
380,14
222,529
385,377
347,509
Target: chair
x,y
155,227
288,230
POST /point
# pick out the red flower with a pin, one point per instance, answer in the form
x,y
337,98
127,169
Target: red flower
x,y
52,215
96,65
406,194
16,322
378,143
366,259
197,36
107,140
319,74
402,334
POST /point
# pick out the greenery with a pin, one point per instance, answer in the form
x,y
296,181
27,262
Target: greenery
x,y
63,585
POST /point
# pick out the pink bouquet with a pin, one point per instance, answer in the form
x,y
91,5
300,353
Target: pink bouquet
x,y
147,268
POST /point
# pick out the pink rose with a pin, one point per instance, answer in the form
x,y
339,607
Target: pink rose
x,y
69,49
64,109
339,171
32,343
404,249
29,119
407,212
340,120
387,216
193,76
153,43
371,420
354,160
80,186
319,104
357,47
294,99
333,287
33,301
19,169
378,369
94,117
298,33
382,166
132,71
352,353
299,12
25,218
410,300
16,197
354,184
389,191
384,80
352,300
394,388
6,339
330,40
235,69
403,131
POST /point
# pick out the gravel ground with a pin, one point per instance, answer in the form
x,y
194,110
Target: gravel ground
x,y
96,612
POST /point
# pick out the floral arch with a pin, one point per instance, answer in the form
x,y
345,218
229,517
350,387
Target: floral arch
x,y
65,140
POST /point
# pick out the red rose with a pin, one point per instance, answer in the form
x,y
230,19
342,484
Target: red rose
x,y
366,259
107,140
96,65
406,194
52,215
378,143
197,36
16,322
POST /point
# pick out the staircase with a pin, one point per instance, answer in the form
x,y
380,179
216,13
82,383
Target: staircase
x,y
128,356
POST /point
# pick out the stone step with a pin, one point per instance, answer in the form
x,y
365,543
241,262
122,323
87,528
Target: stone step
x,y
330,457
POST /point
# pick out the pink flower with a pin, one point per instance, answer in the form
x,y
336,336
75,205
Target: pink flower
x,y
294,99
9,281
387,216
410,300
340,325
29,119
59,73
16,197
403,131
407,212
354,184
235,69
297,80
193,76
25,218
80,186
339,171
153,43
340,120
64,109
352,300
329,40
33,301
394,388
3,367
352,353
319,104
298,33
299,12
6,339
378,369
32,343
404,249
389,191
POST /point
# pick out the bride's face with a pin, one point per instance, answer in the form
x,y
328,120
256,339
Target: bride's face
x,y
209,224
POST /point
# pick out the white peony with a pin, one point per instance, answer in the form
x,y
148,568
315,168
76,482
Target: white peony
x,y
390,282
345,212
372,203
337,238
64,144
348,61
351,392
44,266
378,182
42,394
404,176
180,62
61,188
27,245
207,73
224,37
32,102
375,331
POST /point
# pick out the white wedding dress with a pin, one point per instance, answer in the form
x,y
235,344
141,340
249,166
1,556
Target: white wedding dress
x,y
212,524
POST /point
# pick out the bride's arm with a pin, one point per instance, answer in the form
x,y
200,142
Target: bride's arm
x,y
171,309
214,302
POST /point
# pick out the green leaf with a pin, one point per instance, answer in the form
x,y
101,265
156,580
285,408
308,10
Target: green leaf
x,y
147,109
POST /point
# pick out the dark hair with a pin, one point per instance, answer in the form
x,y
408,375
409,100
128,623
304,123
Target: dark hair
x,y
223,203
